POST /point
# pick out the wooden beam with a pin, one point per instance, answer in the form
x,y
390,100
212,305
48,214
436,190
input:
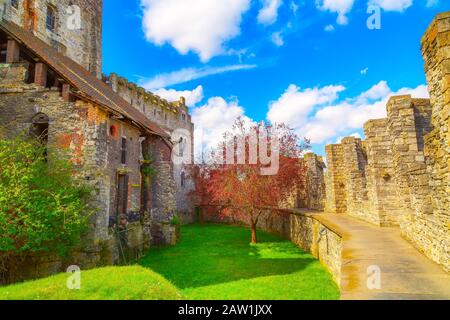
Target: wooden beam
x,y
66,92
40,74
12,51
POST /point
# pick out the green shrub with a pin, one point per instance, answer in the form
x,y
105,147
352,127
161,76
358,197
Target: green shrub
x,y
43,206
175,221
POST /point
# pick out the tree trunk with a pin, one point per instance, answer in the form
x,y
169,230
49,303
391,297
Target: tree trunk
x,y
200,215
254,238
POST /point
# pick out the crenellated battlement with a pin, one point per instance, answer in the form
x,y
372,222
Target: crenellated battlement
x,y
137,93
390,178
170,115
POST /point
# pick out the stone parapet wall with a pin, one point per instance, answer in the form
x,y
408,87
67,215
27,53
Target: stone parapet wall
x,y
309,192
355,162
387,179
382,179
335,180
312,193
382,199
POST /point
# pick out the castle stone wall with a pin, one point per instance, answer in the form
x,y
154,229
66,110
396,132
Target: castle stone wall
x,y
355,162
80,42
335,180
383,203
175,119
312,193
93,140
429,230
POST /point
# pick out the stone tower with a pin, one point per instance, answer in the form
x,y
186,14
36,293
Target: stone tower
x,y
73,27
436,53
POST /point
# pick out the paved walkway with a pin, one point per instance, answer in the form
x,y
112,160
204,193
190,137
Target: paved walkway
x,y
405,272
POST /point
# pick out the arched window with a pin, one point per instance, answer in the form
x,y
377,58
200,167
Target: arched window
x,y
51,18
182,145
39,127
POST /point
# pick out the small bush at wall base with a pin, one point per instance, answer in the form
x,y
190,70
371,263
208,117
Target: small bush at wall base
x,y
43,206
175,221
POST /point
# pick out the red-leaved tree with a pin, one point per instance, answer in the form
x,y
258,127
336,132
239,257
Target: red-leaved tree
x,y
252,170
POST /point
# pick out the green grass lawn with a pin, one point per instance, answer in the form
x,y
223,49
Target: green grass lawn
x,y
217,262
210,262
112,283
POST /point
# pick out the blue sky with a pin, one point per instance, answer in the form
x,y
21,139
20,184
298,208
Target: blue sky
x,y
314,65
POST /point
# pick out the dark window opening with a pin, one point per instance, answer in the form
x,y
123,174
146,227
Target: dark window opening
x,y
51,79
15,4
31,73
122,195
124,151
3,47
39,129
183,179
51,18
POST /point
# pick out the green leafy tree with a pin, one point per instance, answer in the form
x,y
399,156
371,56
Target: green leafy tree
x,y
44,207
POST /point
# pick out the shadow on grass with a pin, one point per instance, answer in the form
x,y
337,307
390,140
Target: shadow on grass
x,y
213,254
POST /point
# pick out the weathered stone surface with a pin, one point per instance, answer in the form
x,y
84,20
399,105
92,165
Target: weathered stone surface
x,y
83,45
312,194
175,119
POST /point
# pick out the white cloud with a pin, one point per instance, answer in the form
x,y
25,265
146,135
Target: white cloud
x,y
341,7
431,3
277,39
364,71
295,104
188,74
378,91
318,119
201,26
192,96
213,119
392,5
269,12
329,28
356,135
